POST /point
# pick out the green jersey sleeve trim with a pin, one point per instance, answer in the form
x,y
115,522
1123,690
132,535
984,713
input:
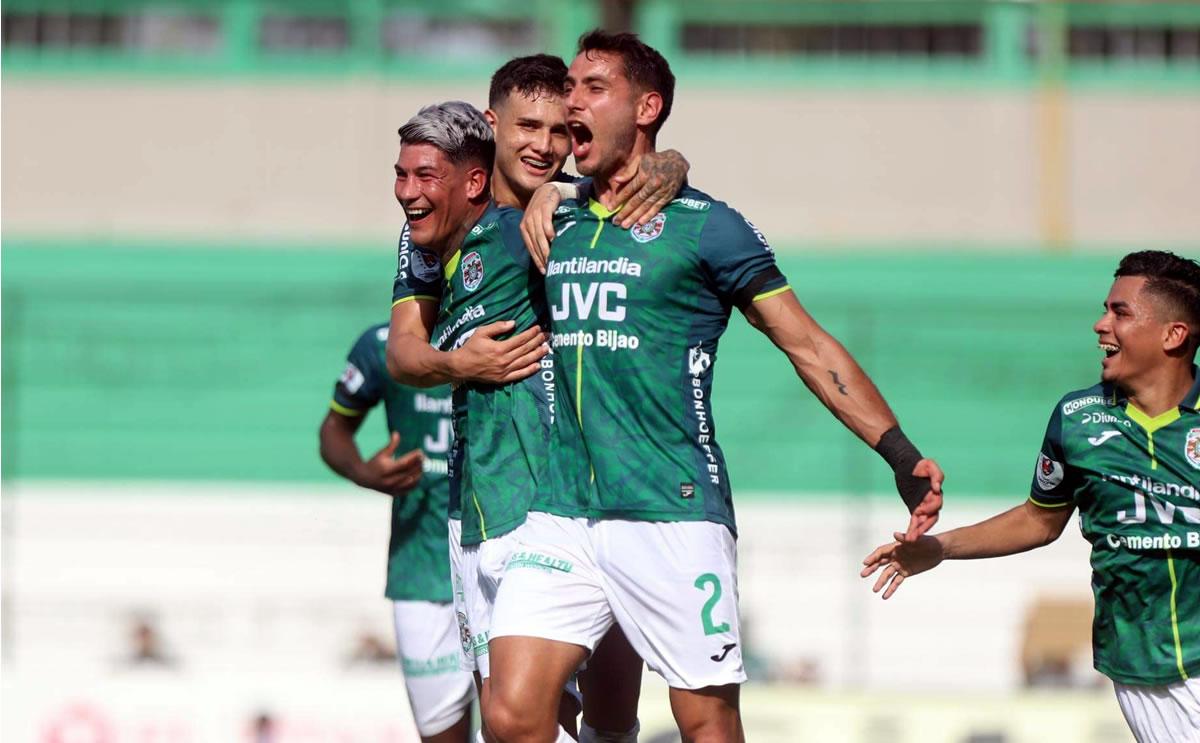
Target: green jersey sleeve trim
x,y
1175,617
1040,504
422,297
772,293
351,412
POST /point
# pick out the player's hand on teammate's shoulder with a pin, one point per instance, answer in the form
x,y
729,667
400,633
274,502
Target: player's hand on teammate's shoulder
x,y
925,515
901,559
389,474
537,225
659,177
484,358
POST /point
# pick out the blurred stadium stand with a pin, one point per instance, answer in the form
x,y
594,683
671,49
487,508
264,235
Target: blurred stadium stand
x,y
198,221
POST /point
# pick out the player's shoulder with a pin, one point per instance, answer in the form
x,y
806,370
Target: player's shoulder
x,y
723,223
374,336
1099,394
499,225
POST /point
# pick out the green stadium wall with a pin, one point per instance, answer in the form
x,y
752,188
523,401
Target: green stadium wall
x,y
216,361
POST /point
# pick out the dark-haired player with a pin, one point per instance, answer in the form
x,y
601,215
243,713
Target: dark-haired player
x,y
637,314
503,417
1126,453
418,575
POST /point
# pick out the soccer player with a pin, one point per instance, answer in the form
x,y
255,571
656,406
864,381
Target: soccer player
x,y
418,575
1126,453
636,317
502,432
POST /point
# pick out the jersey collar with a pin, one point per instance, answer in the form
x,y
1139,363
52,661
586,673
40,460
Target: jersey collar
x,y
601,211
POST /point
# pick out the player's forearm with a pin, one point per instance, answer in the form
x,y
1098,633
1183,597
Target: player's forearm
x,y
412,361
340,453
837,380
1016,530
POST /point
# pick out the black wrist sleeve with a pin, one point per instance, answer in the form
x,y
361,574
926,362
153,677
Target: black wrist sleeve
x,y
902,457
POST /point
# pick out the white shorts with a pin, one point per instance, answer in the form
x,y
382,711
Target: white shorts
x,y
1162,714
672,586
439,692
476,579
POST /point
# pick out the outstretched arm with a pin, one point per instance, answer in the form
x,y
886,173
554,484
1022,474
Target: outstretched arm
x,y
382,472
828,369
482,358
1017,530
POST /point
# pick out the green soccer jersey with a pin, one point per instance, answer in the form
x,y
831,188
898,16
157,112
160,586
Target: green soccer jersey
x,y
636,318
418,561
1136,482
503,434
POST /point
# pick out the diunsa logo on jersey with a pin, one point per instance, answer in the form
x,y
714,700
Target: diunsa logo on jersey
x,y
472,271
698,361
425,266
1191,447
1049,473
649,231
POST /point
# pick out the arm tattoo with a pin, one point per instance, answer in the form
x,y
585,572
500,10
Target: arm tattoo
x,y
841,387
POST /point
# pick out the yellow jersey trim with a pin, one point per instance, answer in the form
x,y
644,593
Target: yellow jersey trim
x,y
772,293
351,412
452,264
602,211
1039,504
478,510
1175,617
1151,425
424,297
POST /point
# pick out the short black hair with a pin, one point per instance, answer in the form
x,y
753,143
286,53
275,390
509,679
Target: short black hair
x,y
645,68
1173,280
537,73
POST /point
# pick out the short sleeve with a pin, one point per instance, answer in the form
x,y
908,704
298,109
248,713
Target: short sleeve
x,y
738,259
1051,486
418,272
362,382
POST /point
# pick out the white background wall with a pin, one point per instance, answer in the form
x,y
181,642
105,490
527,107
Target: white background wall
x,y
312,161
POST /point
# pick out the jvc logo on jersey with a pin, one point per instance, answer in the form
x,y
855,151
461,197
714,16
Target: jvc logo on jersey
x,y
1104,436
441,444
602,296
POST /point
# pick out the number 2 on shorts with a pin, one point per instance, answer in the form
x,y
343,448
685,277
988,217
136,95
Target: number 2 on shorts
x,y
708,579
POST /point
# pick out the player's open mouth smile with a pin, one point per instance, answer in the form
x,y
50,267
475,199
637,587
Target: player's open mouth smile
x,y
581,139
416,215
1110,350
535,166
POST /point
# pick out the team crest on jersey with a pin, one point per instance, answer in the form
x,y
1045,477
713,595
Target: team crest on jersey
x,y
1049,473
352,379
649,231
1191,447
425,266
472,271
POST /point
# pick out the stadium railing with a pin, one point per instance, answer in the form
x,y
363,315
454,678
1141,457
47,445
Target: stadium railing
x,y
997,43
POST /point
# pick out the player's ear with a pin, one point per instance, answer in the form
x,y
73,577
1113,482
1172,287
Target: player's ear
x,y
477,182
1176,336
490,115
649,108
